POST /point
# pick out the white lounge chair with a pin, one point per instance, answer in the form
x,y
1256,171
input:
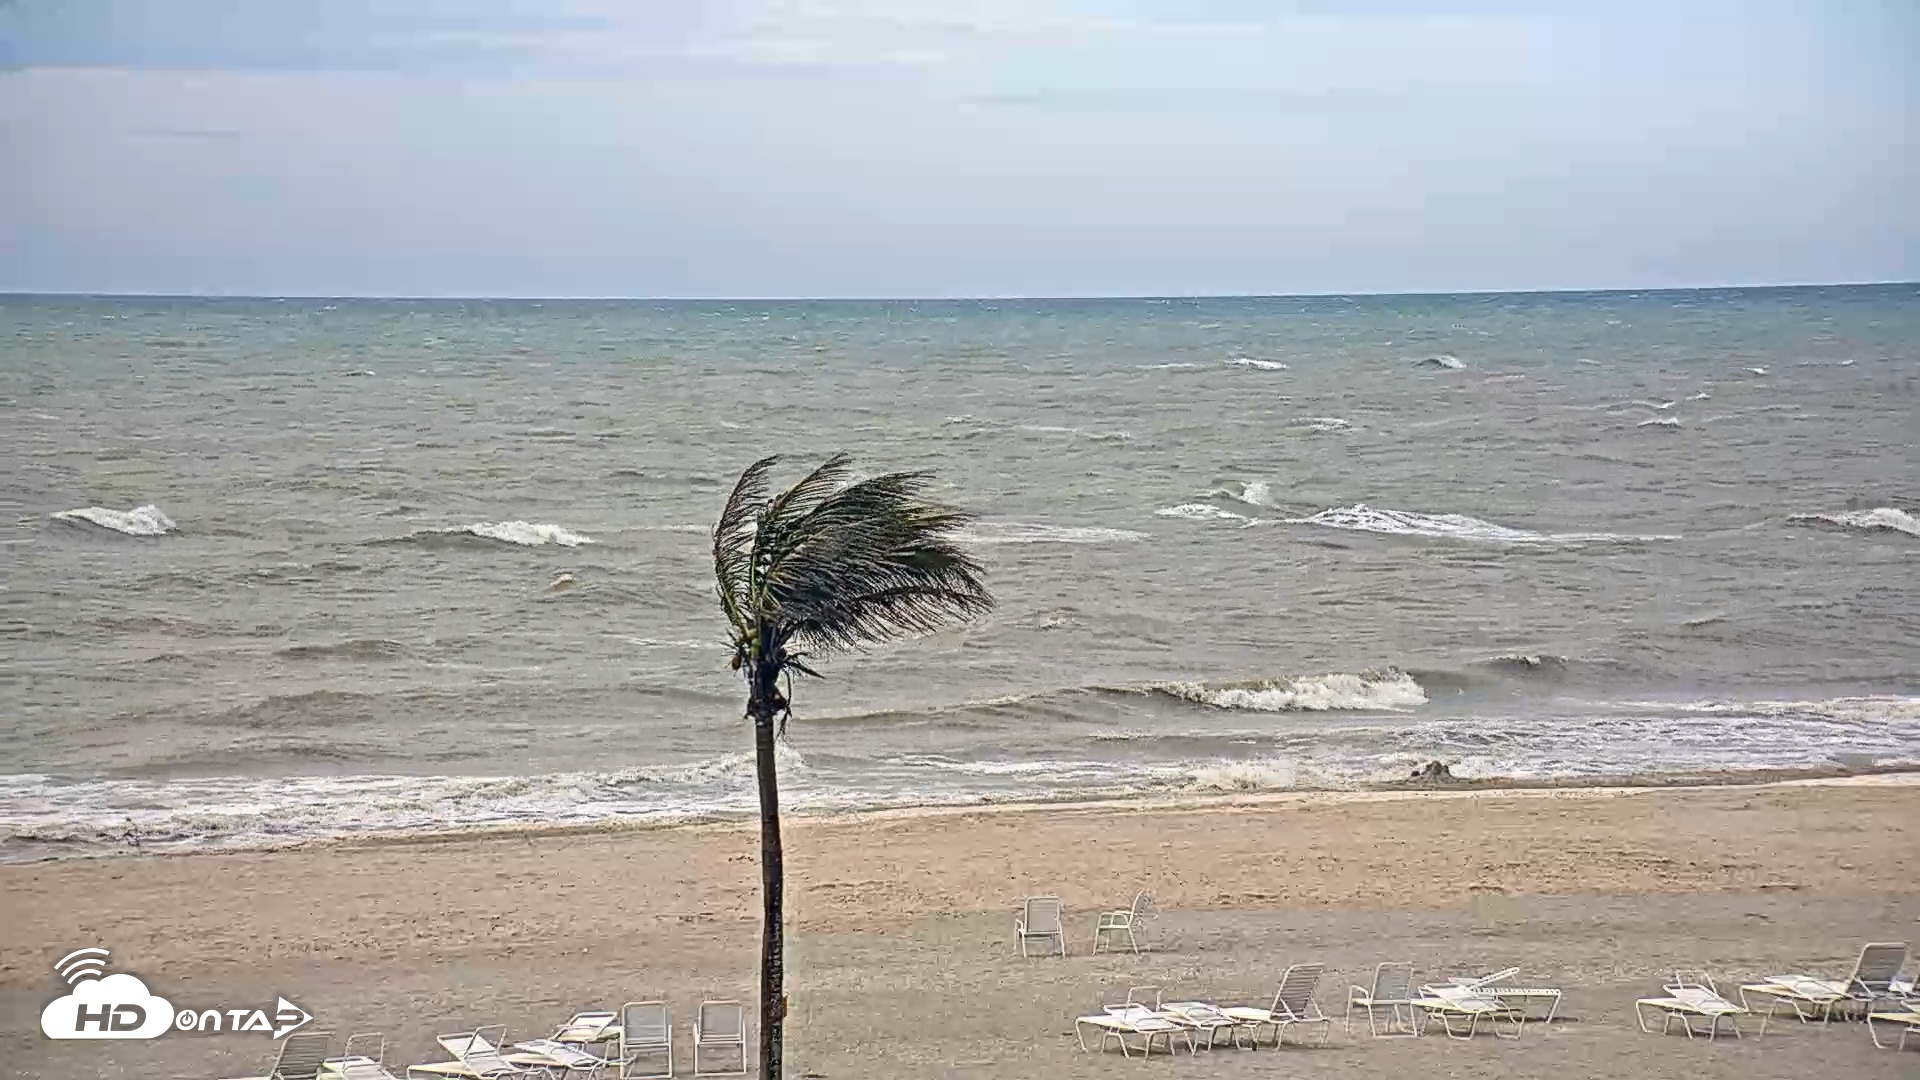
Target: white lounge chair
x,y
1392,991
1114,925
1906,1020
1453,1004
720,1026
1136,1020
1202,1016
302,1056
646,1031
1039,920
1816,999
1689,996
566,1059
1293,1006
480,1055
588,1028
1523,998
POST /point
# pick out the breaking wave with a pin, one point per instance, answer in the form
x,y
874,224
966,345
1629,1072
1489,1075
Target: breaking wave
x,y
140,521
1023,532
1257,364
517,533
1660,422
1879,519
1203,512
1363,518
1442,362
1374,690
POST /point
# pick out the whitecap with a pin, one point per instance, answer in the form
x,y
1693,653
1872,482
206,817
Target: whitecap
x,y
526,534
1701,396
1253,493
1660,421
1879,519
1258,364
1657,405
1363,518
1372,691
1444,362
1202,512
1025,532
140,521
1177,365
1757,370
1324,425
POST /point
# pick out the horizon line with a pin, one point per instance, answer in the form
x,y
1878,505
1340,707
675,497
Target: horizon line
x,y
984,297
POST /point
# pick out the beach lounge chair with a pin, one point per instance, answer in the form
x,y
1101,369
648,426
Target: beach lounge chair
x,y
1136,1020
302,1055
1112,926
1816,999
479,1055
1293,1006
720,1027
645,1032
1904,1019
1456,1004
1040,921
565,1059
1201,1017
1689,996
1392,991
365,1058
1523,998
588,1028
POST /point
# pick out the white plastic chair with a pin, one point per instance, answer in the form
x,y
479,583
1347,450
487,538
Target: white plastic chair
x,y
1040,921
1293,1005
646,1031
365,1058
1392,991
720,1026
480,1052
1690,996
1115,924
302,1056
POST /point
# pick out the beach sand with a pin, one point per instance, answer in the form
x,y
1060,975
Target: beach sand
x,y
902,962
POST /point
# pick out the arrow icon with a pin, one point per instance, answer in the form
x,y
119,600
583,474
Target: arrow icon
x,y
288,1017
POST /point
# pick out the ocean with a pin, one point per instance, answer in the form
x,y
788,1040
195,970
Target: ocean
x,y
305,568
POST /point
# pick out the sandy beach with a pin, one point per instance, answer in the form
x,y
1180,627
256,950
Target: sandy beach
x,y
902,960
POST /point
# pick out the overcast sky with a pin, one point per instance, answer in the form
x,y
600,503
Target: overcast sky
x,y
953,147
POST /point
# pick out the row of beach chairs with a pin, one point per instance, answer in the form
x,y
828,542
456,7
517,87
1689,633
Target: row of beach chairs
x,y
1394,1006
635,1043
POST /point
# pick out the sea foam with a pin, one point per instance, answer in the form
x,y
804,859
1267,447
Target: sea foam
x,y
1024,532
1879,519
1373,690
526,534
139,521
1363,518
1258,364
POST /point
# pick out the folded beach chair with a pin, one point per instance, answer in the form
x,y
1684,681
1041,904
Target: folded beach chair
x,y
1040,921
478,1055
720,1026
1392,991
646,1033
1691,995
1293,1005
1522,998
566,1059
1135,1020
1114,925
1455,1004
1905,1019
1815,999
302,1055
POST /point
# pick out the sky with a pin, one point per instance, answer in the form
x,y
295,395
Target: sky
x,y
818,148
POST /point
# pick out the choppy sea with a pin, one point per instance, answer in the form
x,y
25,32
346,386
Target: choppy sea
x,y
284,569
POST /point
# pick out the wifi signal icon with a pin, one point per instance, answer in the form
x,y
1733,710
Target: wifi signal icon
x,y
81,964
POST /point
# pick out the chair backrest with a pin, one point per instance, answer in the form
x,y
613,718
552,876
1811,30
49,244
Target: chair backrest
x,y
1142,905
1393,981
1041,914
1147,997
1297,985
724,1021
479,1049
1692,979
1879,964
644,1025
301,1056
368,1044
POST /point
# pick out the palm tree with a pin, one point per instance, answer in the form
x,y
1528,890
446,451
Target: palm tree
x,y
826,566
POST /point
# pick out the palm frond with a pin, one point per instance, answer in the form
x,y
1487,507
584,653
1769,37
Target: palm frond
x,y
733,545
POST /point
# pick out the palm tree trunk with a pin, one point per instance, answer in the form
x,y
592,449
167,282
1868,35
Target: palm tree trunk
x,y
773,1006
